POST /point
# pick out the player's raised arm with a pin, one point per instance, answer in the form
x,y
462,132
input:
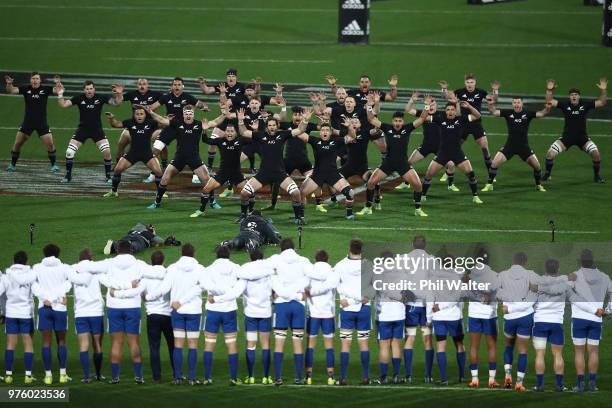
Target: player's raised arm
x,y
409,106
545,111
117,97
202,106
278,88
10,88
491,104
390,97
332,81
495,85
113,121
303,124
63,103
421,119
244,132
374,121
603,95
351,135
206,90
444,88
282,116
213,123
474,114
162,120
550,86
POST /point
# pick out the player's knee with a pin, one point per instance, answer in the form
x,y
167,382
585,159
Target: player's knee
x,y
280,334
554,150
590,148
71,151
426,331
539,343
363,335
230,339
293,191
158,145
251,336
346,334
103,147
247,191
297,334
411,331
193,335
210,340
178,334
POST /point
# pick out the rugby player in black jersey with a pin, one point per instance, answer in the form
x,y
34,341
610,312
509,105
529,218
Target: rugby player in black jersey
x,y
138,130
474,96
35,97
452,124
325,170
144,96
397,136
431,141
272,170
365,87
230,173
517,121
90,124
575,111
174,101
187,131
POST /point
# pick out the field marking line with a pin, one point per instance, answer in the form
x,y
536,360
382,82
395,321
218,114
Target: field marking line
x,y
272,61
301,42
433,229
374,10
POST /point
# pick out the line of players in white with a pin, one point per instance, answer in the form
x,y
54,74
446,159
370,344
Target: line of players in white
x,y
288,295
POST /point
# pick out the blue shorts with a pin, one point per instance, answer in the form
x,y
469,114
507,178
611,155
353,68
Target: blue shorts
x,y
89,324
488,327
124,320
19,326
186,322
416,316
225,320
390,330
289,315
443,328
49,319
521,327
258,324
327,326
553,332
583,329
360,321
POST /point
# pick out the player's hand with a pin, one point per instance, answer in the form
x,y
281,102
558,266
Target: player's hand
x,y
112,292
222,87
255,125
201,80
306,293
109,115
393,81
464,104
572,277
346,122
143,295
415,96
425,114
490,99
314,98
600,312
505,309
211,299
495,85
135,283
64,301
117,88
370,99
322,96
330,79
2,318
307,114
550,84
365,300
376,96
443,84
278,88
280,101
8,79
603,83
257,81
435,308
487,299
176,305
344,302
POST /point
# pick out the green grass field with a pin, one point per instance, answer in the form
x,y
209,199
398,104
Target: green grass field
x,y
520,43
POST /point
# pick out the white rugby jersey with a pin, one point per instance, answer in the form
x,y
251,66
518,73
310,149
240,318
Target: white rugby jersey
x,y
479,309
183,282
52,282
590,290
449,301
19,297
223,278
257,296
349,287
152,278
88,301
118,273
322,301
290,278
551,297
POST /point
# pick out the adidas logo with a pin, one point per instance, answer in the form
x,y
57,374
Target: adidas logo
x,y
353,5
353,29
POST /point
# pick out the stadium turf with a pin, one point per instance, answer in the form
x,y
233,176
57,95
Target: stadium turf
x,y
520,43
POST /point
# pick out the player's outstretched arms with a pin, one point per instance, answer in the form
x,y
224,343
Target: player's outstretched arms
x,y
162,120
545,111
303,124
409,106
390,97
206,90
62,103
474,114
10,87
491,104
332,81
113,121
421,119
244,132
603,96
278,88
495,85
117,98
282,116
374,121
550,86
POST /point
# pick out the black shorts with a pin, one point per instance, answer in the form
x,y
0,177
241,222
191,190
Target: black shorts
x,y
325,177
428,148
388,167
39,128
574,140
270,177
524,151
352,169
135,157
192,160
249,149
167,135
473,128
456,157
301,165
81,135
233,178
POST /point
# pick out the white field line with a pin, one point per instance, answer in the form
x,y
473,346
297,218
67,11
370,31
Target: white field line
x,y
492,230
375,10
265,61
300,42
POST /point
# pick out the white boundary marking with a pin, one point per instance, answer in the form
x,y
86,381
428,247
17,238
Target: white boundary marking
x,y
273,61
301,42
433,229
